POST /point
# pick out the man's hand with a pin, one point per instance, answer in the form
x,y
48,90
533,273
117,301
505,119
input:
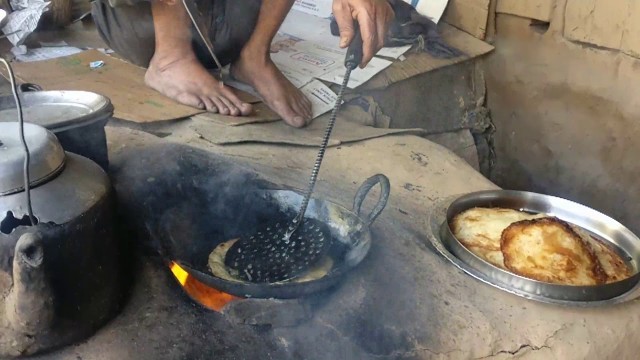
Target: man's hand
x,y
373,16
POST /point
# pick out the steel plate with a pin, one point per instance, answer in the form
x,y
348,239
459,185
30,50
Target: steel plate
x,y
601,226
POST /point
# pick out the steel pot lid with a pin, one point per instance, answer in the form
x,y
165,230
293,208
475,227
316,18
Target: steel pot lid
x,y
58,110
46,156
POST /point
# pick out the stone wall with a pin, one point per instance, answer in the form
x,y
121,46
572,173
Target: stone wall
x,y
567,112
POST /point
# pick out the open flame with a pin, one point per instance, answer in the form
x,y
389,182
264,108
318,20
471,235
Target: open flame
x,y
207,296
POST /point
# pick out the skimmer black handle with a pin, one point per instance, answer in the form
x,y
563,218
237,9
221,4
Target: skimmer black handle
x,y
354,51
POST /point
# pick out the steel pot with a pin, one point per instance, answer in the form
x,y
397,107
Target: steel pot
x,y
60,278
77,118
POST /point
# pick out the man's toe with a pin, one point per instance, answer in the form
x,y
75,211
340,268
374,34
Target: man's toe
x,y
301,110
233,110
234,101
209,105
190,100
245,109
222,107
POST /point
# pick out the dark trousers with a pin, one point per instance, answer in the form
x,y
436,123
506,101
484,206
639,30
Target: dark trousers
x,y
129,30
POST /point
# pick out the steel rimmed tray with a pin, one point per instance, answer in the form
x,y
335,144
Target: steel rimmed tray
x,y
601,226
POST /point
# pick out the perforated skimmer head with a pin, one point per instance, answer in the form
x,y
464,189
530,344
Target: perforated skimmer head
x,y
268,256
279,252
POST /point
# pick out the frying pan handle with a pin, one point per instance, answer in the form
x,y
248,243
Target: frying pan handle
x,y
363,191
29,87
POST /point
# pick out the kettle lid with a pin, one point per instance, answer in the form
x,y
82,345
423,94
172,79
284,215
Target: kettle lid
x,y
46,158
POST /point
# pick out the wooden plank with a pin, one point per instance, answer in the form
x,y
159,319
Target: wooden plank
x,y
468,15
531,9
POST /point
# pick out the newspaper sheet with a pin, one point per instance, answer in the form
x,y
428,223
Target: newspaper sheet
x,y
46,53
433,9
305,48
301,61
305,51
21,23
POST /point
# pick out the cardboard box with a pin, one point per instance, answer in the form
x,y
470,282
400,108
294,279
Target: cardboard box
x,y
612,24
468,15
531,9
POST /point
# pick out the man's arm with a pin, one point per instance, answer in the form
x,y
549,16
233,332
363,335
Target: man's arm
x,y
373,16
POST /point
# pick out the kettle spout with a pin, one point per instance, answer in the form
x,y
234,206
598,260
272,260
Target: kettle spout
x,y
30,303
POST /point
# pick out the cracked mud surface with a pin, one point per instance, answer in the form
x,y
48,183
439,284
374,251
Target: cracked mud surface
x,y
402,302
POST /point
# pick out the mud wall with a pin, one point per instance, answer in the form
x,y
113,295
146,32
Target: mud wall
x,y
567,111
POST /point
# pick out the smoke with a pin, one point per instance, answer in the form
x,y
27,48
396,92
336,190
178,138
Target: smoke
x,y
188,201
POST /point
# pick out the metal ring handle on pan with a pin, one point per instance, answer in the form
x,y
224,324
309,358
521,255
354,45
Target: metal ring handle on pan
x,y
29,87
363,191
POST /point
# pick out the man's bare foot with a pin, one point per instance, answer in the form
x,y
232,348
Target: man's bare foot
x,y
276,90
185,80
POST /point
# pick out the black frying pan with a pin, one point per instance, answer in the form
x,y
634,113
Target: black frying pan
x,y
349,230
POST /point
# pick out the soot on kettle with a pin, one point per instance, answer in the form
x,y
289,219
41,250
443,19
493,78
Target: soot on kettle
x,y
267,257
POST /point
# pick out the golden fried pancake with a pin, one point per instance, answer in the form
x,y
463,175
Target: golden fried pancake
x,y
549,250
491,256
219,269
480,230
216,262
612,264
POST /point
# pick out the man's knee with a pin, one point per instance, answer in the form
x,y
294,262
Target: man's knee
x,y
234,26
127,29
126,26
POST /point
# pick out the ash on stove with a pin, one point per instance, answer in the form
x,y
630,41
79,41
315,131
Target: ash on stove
x,y
172,197
191,205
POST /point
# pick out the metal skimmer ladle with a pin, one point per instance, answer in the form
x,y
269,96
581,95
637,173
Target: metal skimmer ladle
x,y
196,19
278,252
